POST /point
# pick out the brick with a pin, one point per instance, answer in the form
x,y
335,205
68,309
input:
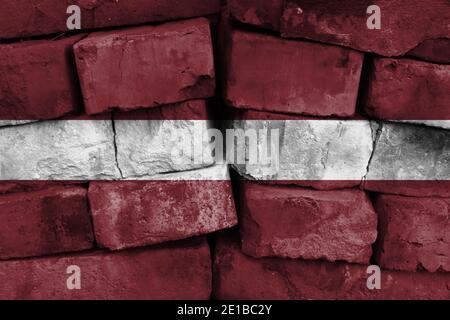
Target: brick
x,y
7,123
146,66
178,271
410,160
444,124
296,222
137,213
404,89
217,172
113,13
24,66
345,23
261,13
414,233
43,222
15,186
188,110
58,150
149,147
324,154
436,50
305,78
19,19
240,277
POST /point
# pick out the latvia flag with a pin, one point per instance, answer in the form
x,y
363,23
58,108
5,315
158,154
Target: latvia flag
x,y
117,142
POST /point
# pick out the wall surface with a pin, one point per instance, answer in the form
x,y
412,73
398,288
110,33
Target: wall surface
x,y
242,150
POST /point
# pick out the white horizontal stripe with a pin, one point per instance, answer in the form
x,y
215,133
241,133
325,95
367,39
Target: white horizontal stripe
x,y
314,150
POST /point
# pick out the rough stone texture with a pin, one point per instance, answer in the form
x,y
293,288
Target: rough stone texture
x,y
16,186
146,66
404,89
172,272
23,68
437,50
238,276
6,123
149,147
302,223
217,172
131,214
304,78
414,233
404,24
188,110
406,155
58,150
261,13
20,19
444,124
319,153
44,222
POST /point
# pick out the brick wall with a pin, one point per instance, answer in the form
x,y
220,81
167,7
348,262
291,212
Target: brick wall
x,y
109,178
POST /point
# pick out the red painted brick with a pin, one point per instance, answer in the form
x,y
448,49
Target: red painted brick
x,y
188,110
437,50
296,222
404,89
175,271
20,19
43,222
414,233
146,66
115,13
415,188
38,80
237,276
16,186
130,214
261,13
404,24
271,74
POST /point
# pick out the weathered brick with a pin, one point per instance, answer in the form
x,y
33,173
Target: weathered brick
x,y
296,222
324,154
410,160
404,89
58,150
404,24
188,110
137,213
43,222
24,66
444,124
16,186
261,13
146,66
6,123
115,13
176,271
436,50
147,147
273,74
237,276
414,233
20,19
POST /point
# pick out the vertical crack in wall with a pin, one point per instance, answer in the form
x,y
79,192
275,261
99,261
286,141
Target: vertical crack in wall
x,y
113,121
375,138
